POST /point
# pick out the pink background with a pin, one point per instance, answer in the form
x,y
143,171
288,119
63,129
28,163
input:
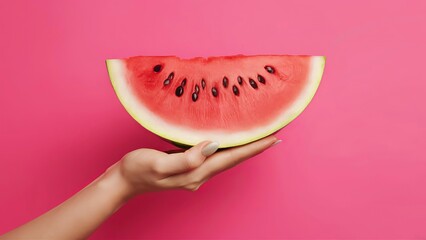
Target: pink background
x,y
353,165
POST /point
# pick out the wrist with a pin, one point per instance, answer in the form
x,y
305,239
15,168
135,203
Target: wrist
x,y
113,182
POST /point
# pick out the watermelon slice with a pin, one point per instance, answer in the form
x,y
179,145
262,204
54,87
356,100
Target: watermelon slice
x,y
233,100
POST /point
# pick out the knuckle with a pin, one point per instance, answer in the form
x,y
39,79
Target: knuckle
x,y
135,154
191,161
195,183
142,151
196,179
158,168
193,187
232,155
130,155
233,158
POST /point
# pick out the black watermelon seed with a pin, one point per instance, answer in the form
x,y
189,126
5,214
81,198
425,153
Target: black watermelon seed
x,y
179,91
171,76
214,92
240,80
235,90
203,83
157,68
261,79
197,88
269,69
225,82
194,96
253,84
169,79
183,82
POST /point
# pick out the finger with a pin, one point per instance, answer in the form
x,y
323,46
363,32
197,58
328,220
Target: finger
x,y
221,161
176,163
230,157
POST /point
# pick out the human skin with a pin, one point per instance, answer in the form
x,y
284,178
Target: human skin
x,y
138,172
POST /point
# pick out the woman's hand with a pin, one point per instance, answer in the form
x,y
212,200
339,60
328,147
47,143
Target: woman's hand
x,y
148,170
142,170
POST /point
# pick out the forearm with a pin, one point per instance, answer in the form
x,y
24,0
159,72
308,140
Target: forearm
x,y
80,215
142,170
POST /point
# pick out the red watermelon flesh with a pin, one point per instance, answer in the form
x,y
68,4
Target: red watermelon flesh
x,y
233,100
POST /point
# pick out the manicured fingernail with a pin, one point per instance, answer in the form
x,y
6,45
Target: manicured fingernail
x,y
210,148
276,142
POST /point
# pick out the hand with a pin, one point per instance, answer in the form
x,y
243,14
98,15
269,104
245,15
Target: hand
x,y
148,170
139,171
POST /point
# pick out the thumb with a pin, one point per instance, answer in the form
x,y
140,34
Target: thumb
x,y
192,158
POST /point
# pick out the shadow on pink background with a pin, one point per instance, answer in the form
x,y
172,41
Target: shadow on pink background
x,y
353,165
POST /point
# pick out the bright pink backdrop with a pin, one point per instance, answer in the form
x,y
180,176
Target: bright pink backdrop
x,y
353,165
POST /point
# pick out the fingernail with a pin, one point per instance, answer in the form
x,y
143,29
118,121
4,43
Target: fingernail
x,y
276,142
210,148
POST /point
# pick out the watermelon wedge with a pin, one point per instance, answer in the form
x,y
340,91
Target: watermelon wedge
x,y
233,100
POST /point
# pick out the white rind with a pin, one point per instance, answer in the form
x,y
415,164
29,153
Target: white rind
x,y
149,120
